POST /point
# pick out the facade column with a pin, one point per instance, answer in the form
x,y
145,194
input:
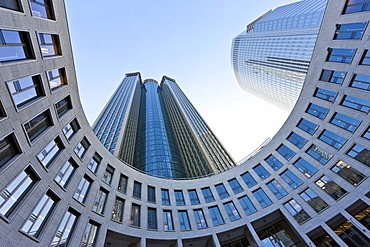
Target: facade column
x,y
333,235
142,242
179,242
356,223
216,243
253,236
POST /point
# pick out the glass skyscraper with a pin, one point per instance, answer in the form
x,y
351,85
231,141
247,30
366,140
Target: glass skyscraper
x,y
155,128
270,58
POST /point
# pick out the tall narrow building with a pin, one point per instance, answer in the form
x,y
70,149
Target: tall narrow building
x,y
155,128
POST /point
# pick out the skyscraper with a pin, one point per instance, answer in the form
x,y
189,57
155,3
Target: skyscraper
x,y
270,58
156,129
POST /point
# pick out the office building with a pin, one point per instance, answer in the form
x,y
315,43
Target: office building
x,y
59,186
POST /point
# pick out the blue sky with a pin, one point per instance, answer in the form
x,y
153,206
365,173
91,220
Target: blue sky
x,y
189,41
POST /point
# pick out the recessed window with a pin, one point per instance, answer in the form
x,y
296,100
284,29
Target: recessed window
x,y
108,175
353,6
66,228
297,140
38,125
216,216
165,197
151,194
200,221
2,111
235,186
307,126
331,187
122,184
184,221
365,60
179,198
71,129
221,190
15,46
297,211
99,202
340,55
358,104
91,232
66,172
366,134
347,172
56,78
306,168
63,106
82,148
333,76
314,200
11,4
135,215
137,190
262,198
291,179
261,172
286,152
277,189
83,189
361,82
319,154
345,122
248,179
26,90
94,163
50,152
231,211
360,154
247,205
194,200
332,139
350,30
42,8
9,148
325,94
152,219
273,162
317,111
207,194
49,45
167,221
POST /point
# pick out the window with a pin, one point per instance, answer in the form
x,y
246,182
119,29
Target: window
x,y
325,94
353,6
247,205
151,194
26,90
38,125
135,215
314,200
207,194
291,179
286,152
319,154
297,211
179,198
331,187
366,134
276,189
345,122
94,163
108,175
65,173
365,60
297,140
82,147
333,76
261,171
165,197
167,221
231,210
122,184
221,190
152,219
71,129
49,45
90,234
306,168
82,189
42,8
137,190
235,186
317,111
332,139
360,154
194,200
9,149
216,216
11,4
117,212
248,179
350,174
339,55
200,221
307,126
350,30
56,78
184,221
13,194
40,215
15,46
2,111
50,152
63,106
358,104
262,198
65,228
274,162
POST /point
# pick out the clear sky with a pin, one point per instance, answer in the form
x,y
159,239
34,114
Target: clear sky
x,y
188,40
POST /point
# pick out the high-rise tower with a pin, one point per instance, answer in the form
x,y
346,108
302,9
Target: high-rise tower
x,y
270,58
156,129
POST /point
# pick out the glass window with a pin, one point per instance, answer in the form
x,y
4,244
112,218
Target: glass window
x,y
137,190
366,134
297,140
349,233
274,162
286,152
319,154
49,44
333,76
82,147
165,197
26,90
151,194
184,221
365,60
90,234
40,215
216,216
247,205
167,221
314,200
194,200
350,30
71,129
332,139
221,190
200,221
65,228
248,179
261,171
360,154
9,148
94,163
38,125
50,152
117,212
108,175
207,194
306,168
277,189
18,188
42,8
82,189
330,187
235,186
152,219
291,179
11,4
340,55
353,6
345,122
297,211
231,210
15,46
135,215
317,111
63,106
56,78
361,82
358,104
65,173
2,111
262,198
350,174
122,184
179,198
325,94
307,126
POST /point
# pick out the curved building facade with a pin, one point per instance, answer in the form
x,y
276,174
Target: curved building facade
x,y
59,186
